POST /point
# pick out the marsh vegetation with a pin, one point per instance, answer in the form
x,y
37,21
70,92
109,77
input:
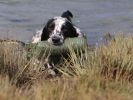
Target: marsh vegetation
x,y
105,73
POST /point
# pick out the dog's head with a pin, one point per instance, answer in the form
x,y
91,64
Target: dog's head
x,y
58,29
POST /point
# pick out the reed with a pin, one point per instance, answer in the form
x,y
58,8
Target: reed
x,y
105,73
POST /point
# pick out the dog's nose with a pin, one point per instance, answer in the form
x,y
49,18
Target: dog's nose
x,y
55,40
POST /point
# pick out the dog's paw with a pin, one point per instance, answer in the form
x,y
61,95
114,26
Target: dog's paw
x,y
48,66
51,72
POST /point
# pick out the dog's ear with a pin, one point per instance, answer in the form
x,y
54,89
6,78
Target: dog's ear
x,y
67,14
73,33
45,34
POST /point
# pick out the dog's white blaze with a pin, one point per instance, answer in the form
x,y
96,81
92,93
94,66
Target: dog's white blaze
x,y
59,21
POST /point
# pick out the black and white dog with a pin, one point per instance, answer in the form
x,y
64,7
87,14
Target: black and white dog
x,y
57,30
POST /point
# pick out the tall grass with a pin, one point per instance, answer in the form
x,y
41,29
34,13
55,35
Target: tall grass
x,y
105,73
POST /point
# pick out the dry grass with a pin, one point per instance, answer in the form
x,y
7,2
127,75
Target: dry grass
x,y
105,73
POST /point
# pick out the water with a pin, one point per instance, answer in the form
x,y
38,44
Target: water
x,y
19,19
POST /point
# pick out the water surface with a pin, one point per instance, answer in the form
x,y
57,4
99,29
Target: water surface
x,y
19,19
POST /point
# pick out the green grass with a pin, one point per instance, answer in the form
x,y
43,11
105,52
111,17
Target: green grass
x,y
105,73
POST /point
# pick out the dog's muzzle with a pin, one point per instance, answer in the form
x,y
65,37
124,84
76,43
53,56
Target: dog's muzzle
x,y
55,39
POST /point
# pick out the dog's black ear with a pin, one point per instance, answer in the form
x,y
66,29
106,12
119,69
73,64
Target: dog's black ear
x,y
73,33
67,14
45,34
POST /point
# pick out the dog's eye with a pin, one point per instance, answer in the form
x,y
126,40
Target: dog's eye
x,y
51,27
64,28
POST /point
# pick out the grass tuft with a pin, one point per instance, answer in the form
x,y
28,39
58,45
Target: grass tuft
x,y
105,73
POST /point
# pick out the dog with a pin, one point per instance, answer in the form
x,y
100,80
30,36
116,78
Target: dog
x,y
56,30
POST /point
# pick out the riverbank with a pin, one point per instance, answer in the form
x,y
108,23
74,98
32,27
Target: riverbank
x,y
105,73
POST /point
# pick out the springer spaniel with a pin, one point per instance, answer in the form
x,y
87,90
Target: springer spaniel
x,y
56,31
